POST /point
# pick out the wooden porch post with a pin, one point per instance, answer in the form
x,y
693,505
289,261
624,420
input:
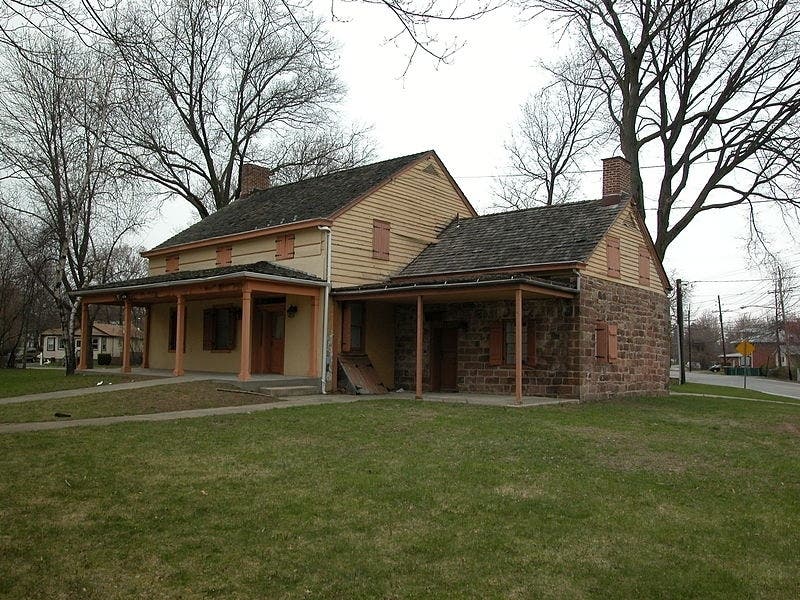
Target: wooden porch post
x,y
247,333
85,335
146,346
420,318
126,338
313,367
518,348
180,335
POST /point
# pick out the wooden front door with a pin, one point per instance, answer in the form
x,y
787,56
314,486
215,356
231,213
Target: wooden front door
x,y
444,360
268,338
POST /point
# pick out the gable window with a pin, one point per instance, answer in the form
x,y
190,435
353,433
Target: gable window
x,y
219,328
224,256
612,256
502,343
380,239
173,264
284,246
173,329
606,347
353,327
644,265
51,344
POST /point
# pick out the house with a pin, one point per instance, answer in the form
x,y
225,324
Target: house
x,y
107,338
384,276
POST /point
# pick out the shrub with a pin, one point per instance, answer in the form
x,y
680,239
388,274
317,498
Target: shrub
x,y
779,373
104,359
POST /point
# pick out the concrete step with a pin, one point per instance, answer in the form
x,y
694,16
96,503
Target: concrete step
x,y
283,391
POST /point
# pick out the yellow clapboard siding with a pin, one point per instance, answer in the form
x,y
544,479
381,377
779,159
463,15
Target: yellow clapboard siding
x,y
630,237
416,204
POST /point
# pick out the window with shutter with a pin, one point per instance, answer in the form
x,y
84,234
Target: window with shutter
x,y
644,266
208,329
612,256
224,256
173,264
381,231
219,329
353,327
284,247
496,343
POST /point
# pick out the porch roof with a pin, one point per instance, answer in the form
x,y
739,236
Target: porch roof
x,y
457,288
260,270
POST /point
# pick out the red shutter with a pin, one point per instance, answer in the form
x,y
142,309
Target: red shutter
x,y
289,246
613,352
381,231
612,256
496,343
601,342
280,247
346,326
208,329
531,358
224,256
644,266
173,264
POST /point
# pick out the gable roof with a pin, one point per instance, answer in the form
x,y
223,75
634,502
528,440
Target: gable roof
x,y
544,235
315,198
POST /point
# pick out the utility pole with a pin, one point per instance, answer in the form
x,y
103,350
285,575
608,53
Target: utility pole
x,y
679,299
689,333
778,360
783,321
722,332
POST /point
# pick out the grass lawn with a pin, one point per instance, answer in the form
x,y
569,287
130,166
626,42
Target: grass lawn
x,y
721,390
18,382
656,498
183,396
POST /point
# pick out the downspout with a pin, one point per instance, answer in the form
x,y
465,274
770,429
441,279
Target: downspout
x,y
325,306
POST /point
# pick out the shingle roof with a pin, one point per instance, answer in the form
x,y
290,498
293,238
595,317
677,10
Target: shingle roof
x,y
314,198
564,233
261,268
108,329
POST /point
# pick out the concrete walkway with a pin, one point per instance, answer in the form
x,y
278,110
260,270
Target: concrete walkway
x,y
298,401
718,397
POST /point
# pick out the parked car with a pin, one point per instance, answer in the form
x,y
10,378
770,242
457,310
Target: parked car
x,y
715,368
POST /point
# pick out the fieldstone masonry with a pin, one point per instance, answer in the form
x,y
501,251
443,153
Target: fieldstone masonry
x,y
566,366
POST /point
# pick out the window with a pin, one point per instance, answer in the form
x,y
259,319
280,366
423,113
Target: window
x,y
644,265
77,344
284,246
51,344
224,256
353,327
605,342
612,256
95,343
173,329
502,343
103,344
61,343
219,328
173,264
380,239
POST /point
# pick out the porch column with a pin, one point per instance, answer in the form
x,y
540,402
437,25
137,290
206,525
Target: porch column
x,y
518,348
313,366
126,338
420,323
85,335
247,333
180,335
146,346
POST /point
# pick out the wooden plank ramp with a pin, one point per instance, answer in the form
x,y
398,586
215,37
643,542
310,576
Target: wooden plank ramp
x,y
361,375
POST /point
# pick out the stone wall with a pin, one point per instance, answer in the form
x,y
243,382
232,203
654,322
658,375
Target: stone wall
x,y
556,372
642,318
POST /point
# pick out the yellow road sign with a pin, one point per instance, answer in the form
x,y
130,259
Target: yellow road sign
x,y
745,348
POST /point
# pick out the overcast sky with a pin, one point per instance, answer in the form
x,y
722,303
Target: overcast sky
x,y
464,111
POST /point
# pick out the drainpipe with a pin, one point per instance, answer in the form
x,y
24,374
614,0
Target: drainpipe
x,y
325,304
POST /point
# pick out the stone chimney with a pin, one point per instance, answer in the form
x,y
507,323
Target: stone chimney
x,y
253,178
616,180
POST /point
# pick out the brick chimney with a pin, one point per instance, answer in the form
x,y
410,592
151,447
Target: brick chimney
x,y
253,178
616,180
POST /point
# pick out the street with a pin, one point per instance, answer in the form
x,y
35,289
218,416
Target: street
x,y
762,384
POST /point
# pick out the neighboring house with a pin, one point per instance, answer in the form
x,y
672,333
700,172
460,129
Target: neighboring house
x,y
107,338
421,292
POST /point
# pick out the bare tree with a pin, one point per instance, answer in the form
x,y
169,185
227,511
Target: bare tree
x,y
560,124
218,82
65,204
709,85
